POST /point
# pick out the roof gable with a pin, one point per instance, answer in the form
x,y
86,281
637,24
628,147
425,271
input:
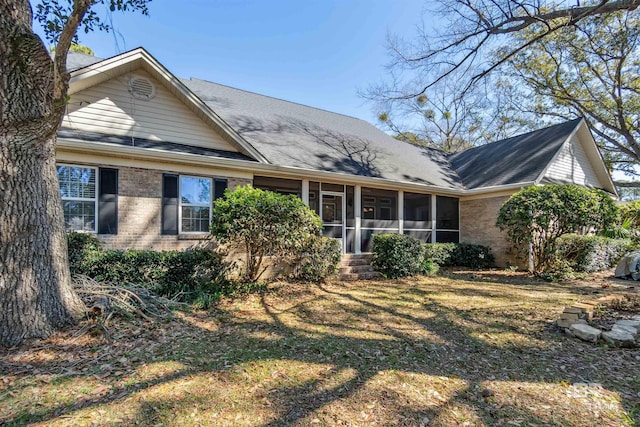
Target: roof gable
x,y
86,74
520,159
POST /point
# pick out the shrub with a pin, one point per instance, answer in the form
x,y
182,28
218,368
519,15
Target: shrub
x,y
458,255
591,253
537,216
396,255
78,244
319,259
630,213
263,224
191,275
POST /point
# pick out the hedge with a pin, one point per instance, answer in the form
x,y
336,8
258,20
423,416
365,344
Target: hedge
x,y
396,255
592,253
318,260
458,255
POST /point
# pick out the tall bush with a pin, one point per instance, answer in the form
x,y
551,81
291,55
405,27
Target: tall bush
x,y
396,255
263,224
537,216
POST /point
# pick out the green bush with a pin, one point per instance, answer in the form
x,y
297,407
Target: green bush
x,y
78,244
397,255
191,275
458,255
319,259
537,216
263,224
591,253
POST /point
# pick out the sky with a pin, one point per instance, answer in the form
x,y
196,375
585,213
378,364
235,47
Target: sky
x,y
314,52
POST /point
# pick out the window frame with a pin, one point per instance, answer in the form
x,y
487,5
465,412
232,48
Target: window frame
x,y
96,183
181,204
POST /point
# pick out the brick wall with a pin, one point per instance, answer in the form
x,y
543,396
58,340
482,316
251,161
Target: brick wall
x,y
139,213
478,226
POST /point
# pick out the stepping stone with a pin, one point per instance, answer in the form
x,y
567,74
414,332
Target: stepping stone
x,y
618,338
629,322
585,332
626,329
636,317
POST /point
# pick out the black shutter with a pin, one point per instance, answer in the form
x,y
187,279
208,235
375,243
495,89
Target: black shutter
x,y
108,201
169,203
219,186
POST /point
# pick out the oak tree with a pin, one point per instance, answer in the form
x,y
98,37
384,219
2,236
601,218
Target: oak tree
x,y
36,296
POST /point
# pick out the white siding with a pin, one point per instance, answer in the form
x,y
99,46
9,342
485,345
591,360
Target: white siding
x,y
572,165
109,108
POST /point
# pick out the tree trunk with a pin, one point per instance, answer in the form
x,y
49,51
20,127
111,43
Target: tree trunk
x,y
36,296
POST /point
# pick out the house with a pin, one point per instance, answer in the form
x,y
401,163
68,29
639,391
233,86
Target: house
x,y
142,154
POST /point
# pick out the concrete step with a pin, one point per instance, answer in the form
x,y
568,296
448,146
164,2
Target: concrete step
x,y
361,276
364,268
352,259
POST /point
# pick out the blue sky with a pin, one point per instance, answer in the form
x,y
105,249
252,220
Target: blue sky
x,y
315,52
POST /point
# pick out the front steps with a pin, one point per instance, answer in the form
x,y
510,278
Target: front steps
x,y
357,267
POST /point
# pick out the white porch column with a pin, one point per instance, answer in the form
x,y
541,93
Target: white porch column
x,y
400,212
357,209
305,191
433,218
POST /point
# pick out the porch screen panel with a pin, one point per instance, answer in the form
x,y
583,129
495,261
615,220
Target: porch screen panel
x,y
350,219
417,216
379,214
278,185
447,219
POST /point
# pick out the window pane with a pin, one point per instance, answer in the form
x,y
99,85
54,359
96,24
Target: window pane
x,y
447,213
77,182
379,204
195,219
196,191
79,216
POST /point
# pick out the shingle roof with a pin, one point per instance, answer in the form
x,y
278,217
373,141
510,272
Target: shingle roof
x,y
519,159
290,134
76,60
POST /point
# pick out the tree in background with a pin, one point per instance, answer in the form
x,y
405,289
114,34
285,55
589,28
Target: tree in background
x,y
36,296
553,58
536,217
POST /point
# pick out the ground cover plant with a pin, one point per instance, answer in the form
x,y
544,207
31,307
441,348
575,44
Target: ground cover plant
x,y
466,348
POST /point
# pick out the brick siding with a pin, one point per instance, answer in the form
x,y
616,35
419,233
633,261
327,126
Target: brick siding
x,y
478,226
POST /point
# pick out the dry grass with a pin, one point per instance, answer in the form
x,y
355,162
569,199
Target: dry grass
x,y
466,349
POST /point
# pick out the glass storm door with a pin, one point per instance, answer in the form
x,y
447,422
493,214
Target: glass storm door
x,y
332,211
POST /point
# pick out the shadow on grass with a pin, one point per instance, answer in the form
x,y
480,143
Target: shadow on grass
x,y
371,331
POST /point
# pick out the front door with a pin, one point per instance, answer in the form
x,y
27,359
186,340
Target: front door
x,y
333,216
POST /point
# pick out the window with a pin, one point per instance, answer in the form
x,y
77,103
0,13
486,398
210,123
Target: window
x,y
195,204
79,201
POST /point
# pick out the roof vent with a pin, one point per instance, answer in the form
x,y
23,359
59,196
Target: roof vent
x,y
142,88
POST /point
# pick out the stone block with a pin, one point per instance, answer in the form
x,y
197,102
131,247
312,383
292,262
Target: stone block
x,y
629,322
570,316
584,307
564,323
625,328
573,310
619,338
585,332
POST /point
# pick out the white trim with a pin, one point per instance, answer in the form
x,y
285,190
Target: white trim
x,y
96,172
357,211
305,191
434,208
400,212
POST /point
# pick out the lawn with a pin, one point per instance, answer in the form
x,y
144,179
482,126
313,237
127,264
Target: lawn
x,y
477,349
